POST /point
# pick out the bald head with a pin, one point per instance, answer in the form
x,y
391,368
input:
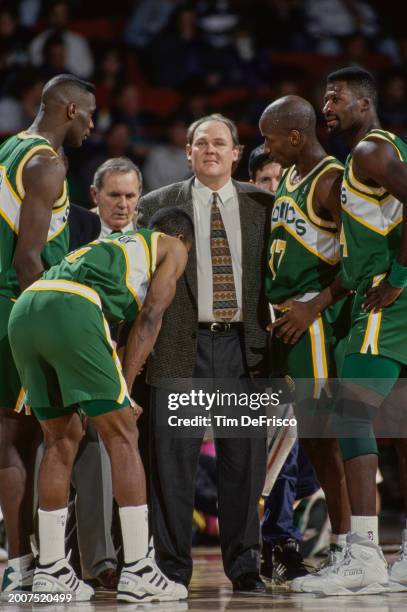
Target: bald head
x,y
290,113
288,127
65,88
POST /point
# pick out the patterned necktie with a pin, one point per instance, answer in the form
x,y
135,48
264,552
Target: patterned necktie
x,y
224,291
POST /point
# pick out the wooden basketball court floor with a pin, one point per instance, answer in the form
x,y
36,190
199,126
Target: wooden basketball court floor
x,y
210,591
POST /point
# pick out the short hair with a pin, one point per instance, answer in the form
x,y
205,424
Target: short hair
x,y
231,125
172,221
67,82
257,160
357,78
214,117
116,164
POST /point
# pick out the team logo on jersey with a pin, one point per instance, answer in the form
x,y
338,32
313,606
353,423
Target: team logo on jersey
x,y
288,215
285,212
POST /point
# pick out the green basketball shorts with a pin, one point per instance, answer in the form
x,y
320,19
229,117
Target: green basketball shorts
x,y
317,355
62,348
11,394
379,333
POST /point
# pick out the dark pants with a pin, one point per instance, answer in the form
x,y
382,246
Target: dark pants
x,y
296,480
241,464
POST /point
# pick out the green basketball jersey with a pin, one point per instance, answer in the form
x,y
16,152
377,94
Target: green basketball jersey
x,y
303,249
15,152
119,268
371,222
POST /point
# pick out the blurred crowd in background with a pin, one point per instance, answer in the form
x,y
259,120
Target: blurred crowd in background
x,y
160,64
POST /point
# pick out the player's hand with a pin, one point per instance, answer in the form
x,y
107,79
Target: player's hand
x,y
297,318
381,296
137,410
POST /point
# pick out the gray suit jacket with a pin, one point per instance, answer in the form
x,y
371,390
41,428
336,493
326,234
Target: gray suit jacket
x,y
175,350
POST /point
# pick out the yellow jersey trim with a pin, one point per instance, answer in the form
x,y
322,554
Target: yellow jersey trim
x,y
67,286
293,186
364,195
314,218
123,386
129,287
22,163
372,227
154,246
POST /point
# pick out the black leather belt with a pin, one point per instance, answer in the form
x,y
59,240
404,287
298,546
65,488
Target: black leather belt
x,y
221,327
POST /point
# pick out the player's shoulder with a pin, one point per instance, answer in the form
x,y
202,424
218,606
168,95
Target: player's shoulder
x,y
372,153
46,161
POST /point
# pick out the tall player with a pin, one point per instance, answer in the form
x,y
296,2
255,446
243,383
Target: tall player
x,y
374,265
301,283
33,235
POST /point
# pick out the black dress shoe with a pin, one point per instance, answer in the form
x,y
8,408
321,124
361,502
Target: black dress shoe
x,y
250,583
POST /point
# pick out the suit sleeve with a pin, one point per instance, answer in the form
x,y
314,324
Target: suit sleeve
x,y
145,212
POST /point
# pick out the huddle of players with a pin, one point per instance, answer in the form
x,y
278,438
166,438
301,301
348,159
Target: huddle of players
x,y
59,334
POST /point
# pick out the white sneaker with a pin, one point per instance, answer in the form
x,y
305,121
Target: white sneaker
x,y
59,577
361,571
143,581
398,571
335,555
16,581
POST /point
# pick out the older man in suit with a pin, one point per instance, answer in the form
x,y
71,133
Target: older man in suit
x,y
215,328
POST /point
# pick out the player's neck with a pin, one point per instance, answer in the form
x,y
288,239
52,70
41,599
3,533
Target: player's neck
x,y
360,131
42,127
309,159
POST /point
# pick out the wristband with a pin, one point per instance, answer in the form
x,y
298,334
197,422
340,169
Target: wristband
x,y
398,275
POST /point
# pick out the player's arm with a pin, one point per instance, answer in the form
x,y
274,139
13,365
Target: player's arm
x,y
43,179
377,162
298,316
172,257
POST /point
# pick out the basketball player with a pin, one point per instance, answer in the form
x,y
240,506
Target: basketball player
x,y
33,235
374,265
60,339
301,285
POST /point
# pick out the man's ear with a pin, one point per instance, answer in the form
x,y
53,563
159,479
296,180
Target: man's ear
x,y
93,194
365,104
236,153
295,138
71,110
188,152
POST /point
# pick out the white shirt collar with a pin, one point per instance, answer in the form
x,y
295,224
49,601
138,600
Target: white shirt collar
x,y
106,230
205,193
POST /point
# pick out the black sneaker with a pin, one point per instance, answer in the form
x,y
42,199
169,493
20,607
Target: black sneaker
x,y
287,562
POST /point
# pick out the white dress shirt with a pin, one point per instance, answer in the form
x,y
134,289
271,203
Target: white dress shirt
x,y
229,209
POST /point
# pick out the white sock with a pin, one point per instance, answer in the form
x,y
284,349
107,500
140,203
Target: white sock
x,y
134,522
366,526
339,539
52,534
20,564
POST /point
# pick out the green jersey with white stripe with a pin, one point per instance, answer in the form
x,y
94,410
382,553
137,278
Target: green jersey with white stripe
x,y
119,268
303,248
15,152
371,221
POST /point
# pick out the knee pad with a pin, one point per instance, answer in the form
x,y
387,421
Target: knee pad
x,y
353,424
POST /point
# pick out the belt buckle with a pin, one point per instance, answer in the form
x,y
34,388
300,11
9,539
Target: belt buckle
x,y
217,326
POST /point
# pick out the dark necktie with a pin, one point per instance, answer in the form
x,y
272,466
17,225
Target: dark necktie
x,y
224,292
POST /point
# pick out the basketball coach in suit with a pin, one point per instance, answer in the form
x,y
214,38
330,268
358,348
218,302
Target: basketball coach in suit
x,y
215,328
